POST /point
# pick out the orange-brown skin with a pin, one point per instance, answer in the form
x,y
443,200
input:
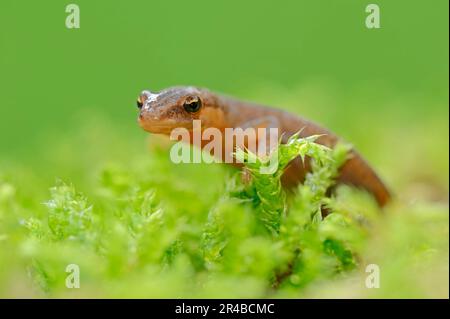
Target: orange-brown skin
x,y
174,107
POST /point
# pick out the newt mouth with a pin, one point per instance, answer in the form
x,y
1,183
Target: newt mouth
x,y
154,126
158,126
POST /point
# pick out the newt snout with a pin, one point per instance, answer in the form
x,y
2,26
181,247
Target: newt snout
x,y
159,113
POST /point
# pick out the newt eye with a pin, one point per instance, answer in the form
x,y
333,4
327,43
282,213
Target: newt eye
x,y
192,104
139,104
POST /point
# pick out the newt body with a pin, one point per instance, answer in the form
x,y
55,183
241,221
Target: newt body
x,y
176,107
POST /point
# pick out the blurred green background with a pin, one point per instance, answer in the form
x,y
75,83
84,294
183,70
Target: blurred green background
x,y
67,110
49,73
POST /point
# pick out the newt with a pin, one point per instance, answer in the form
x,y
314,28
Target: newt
x,y
177,107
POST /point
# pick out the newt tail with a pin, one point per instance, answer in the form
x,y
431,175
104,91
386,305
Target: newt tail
x,y
178,107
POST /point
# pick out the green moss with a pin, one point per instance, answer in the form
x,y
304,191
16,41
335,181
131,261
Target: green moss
x,y
140,230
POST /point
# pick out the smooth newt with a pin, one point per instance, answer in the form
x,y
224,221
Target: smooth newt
x,y
178,106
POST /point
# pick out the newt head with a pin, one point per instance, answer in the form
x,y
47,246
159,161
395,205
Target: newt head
x,y
177,107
